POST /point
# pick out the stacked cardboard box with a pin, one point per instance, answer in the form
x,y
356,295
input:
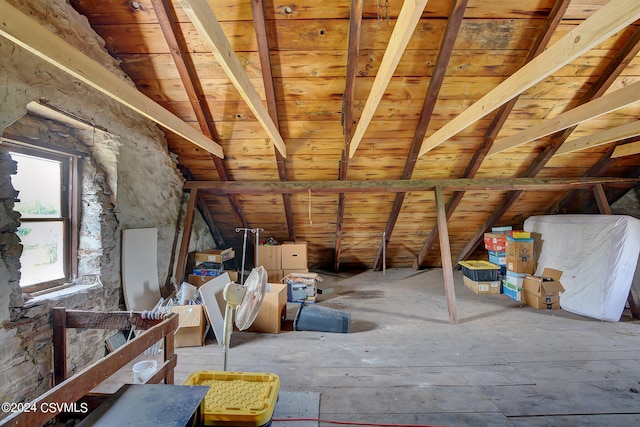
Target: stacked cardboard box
x,y
520,263
209,263
284,259
544,291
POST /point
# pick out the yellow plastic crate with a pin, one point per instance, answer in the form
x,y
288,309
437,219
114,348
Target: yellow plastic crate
x,y
243,399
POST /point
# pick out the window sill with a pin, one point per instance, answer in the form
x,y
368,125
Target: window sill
x,y
59,294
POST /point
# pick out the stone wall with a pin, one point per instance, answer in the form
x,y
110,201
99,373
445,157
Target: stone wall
x,y
130,181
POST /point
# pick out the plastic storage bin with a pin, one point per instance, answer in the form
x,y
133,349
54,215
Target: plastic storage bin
x,y
480,271
239,399
321,319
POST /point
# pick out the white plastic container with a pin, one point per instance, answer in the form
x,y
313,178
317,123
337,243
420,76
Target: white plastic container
x,y
144,370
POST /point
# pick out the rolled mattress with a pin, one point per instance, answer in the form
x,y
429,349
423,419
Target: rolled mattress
x,y
597,255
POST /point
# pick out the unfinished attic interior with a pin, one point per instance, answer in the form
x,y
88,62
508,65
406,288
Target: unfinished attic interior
x,y
383,212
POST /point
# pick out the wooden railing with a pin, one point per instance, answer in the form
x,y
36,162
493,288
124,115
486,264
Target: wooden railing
x,y
69,390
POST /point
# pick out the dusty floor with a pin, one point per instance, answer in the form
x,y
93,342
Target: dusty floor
x,y
504,364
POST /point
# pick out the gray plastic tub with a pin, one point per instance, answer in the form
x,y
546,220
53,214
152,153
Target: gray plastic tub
x,y
311,317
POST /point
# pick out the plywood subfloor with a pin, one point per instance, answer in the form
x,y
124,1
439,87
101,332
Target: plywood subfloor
x,y
504,364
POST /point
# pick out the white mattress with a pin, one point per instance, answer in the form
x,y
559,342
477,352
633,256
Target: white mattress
x,y
597,255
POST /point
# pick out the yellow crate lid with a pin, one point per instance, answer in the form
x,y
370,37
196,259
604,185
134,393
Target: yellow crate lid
x,y
479,265
237,398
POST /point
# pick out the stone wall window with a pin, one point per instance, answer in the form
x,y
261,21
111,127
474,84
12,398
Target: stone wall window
x,y
46,182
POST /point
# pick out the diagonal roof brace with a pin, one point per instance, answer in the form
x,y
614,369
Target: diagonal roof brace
x,y
209,29
30,35
405,25
612,17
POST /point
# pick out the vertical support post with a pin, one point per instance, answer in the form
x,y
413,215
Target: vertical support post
x,y
59,315
186,236
169,352
445,253
601,199
384,252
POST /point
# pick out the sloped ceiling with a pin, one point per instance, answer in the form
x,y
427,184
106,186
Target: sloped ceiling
x,y
355,90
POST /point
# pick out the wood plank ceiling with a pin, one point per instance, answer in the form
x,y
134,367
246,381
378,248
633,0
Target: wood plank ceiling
x,y
352,90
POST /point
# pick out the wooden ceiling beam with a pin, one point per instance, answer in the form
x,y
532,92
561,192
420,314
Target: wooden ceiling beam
x,y
626,150
353,51
435,84
610,18
259,23
617,133
207,25
33,37
586,111
498,121
407,185
403,30
188,76
606,79
599,169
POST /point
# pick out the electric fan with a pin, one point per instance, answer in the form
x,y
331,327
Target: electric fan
x,y
245,300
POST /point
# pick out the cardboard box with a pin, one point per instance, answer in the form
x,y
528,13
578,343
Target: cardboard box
x,y
270,257
191,325
285,273
544,291
272,311
520,255
275,276
482,287
512,291
548,302
294,255
495,241
308,279
198,281
214,255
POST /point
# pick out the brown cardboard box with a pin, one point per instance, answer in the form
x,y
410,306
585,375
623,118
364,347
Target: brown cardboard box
x,y
543,292
294,255
272,310
275,276
270,257
198,281
484,287
520,256
191,325
214,255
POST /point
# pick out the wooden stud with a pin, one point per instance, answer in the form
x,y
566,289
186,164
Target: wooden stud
x,y
612,17
207,25
402,32
601,199
186,236
594,108
626,150
28,34
445,253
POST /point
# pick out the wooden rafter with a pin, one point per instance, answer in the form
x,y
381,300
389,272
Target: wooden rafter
x,y
30,35
599,169
435,83
188,76
257,9
540,44
209,29
594,108
353,50
402,32
612,17
617,133
404,185
445,253
626,150
611,71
